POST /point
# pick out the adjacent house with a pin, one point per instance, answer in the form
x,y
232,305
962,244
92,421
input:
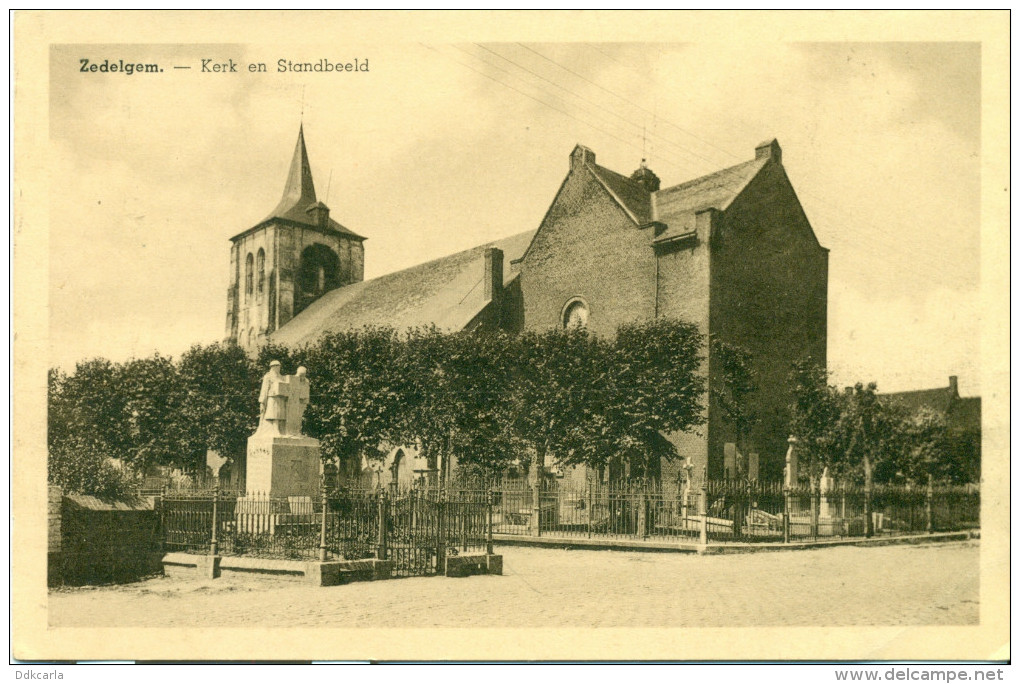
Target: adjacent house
x,y
963,421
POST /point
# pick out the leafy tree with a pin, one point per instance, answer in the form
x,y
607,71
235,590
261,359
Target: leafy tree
x,y
477,377
926,445
453,390
963,454
83,430
814,416
159,433
869,433
560,395
597,402
732,394
656,389
853,433
91,401
928,442
356,398
220,405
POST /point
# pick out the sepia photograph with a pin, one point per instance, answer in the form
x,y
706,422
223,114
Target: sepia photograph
x,y
561,335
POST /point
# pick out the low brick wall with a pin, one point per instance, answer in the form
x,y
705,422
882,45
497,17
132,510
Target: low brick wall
x,y
323,574
477,564
97,542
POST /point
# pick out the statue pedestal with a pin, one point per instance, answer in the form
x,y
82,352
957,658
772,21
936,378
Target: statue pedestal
x,y
283,465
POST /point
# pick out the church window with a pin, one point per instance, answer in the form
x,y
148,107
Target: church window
x,y
575,314
248,276
261,267
318,270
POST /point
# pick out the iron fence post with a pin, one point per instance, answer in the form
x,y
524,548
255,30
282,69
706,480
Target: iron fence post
x,y
441,533
590,511
747,509
488,521
786,514
642,511
462,505
536,513
928,495
164,513
842,509
869,523
214,543
322,529
703,512
814,509
383,502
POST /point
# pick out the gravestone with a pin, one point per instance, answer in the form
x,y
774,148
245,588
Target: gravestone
x,y
825,485
282,461
730,461
790,475
790,472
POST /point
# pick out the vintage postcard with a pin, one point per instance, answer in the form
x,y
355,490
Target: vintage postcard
x,y
510,336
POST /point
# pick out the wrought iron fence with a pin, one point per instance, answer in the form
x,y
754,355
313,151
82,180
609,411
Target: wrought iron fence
x,y
726,510
415,529
419,527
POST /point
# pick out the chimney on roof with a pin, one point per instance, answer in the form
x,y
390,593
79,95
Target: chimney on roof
x,y
581,156
493,277
646,177
953,385
769,149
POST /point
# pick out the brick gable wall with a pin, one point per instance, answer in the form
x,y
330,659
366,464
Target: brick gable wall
x,y
769,289
683,293
588,247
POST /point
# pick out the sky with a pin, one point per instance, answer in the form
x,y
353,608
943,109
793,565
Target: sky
x,y
438,147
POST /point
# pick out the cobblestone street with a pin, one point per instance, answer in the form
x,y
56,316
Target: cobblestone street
x,y
892,585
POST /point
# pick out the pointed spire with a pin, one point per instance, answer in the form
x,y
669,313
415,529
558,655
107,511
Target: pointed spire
x,y
299,192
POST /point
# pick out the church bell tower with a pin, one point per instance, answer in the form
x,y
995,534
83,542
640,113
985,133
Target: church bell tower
x,y
289,259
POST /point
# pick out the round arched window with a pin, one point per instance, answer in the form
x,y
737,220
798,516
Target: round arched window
x,y
575,314
248,265
260,266
318,270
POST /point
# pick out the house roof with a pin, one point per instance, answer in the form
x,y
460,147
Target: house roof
x,y
630,194
716,190
446,292
966,413
940,398
674,208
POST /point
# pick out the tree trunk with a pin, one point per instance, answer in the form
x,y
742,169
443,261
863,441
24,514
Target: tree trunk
x,y
537,467
869,523
432,462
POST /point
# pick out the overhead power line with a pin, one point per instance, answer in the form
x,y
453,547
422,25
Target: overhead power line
x,y
727,179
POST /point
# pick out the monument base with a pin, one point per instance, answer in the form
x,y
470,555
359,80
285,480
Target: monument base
x,y
283,466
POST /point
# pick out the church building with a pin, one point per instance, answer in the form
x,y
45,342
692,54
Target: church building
x,y
732,252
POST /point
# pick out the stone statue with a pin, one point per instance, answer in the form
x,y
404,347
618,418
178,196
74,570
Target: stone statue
x,y
282,462
826,483
282,402
272,402
297,401
686,472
